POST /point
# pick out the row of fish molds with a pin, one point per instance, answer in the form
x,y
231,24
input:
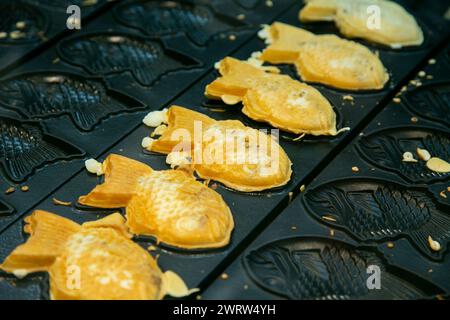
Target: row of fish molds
x,y
295,255
104,104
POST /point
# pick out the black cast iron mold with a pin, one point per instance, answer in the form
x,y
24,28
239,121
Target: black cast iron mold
x,y
326,269
384,149
46,94
36,22
151,18
25,146
109,53
431,101
376,210
5,209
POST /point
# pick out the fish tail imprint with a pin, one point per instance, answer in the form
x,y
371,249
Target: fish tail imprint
x,y
181,129
48,234
121,180
438,228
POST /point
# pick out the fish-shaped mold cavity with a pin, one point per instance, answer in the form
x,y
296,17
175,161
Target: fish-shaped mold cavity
x,y
108,54
385,149
45,95
24,147
93,261
277,99
380,21
21,22
159,18
431,101
324,269
170,205
325,59
378,210
240,157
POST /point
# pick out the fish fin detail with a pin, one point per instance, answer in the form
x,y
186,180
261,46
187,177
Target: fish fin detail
x,y
114,221
48,235
121,180
325,270
88,118
24,148
236,78
438,228
394,288
318,10
180,133
145,76
19,167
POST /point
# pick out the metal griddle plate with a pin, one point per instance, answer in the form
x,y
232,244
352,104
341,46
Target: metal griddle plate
x,y
45,21
180,65
384,212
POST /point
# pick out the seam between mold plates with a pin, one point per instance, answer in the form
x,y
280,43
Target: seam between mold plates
x,y
40,48
322,165
203,74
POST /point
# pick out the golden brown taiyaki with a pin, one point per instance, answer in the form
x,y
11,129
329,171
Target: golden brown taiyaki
x,y
93,261
240,157
170,205
379,21
325,59
277,99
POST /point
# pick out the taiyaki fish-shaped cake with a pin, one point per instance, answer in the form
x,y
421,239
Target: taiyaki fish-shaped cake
x,y
277,99
170,205
325,59
240,157
93,261
380,21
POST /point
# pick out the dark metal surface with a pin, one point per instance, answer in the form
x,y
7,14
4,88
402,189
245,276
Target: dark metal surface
x,y
388,205
172,64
